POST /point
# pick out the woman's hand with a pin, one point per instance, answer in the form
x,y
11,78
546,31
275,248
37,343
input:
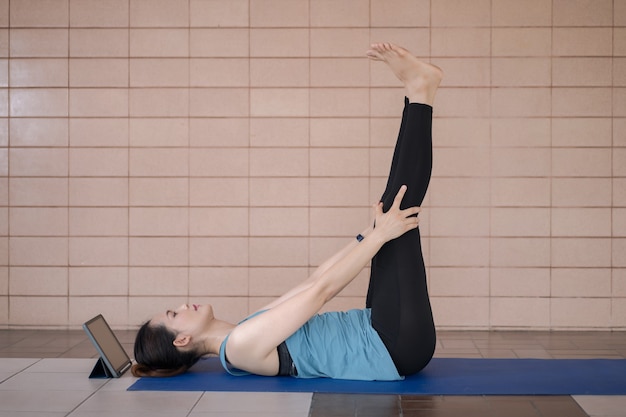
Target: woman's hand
x,y
395,222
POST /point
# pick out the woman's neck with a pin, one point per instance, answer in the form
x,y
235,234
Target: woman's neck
x,y
215,334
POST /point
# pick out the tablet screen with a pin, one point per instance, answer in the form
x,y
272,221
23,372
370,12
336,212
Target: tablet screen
x,y
107,344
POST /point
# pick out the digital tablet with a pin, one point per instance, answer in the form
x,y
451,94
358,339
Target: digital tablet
x,y
113,358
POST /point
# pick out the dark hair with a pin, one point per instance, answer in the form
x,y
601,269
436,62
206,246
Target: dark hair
x,y
156,354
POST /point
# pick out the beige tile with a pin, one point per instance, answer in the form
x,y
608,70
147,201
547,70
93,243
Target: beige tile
x,y
339,42
279,192
400,13
4,73
278,43
461,312
520,222
38,72
115,309
159,13
460,42
619,248
521,72
581,252
44,102
415,39
4,16
98,72
4,43
581,132
279,162
159,162
521,102
38,251
583,13
278,72
619,192
582,42
618,285
577,282
338,162
40,311
348,13
165,132
96,192
619,72
4,102
277,132
38,192
52,281
459,192
618,220
216,162
158,251
39,43
619,159
91,43
520,162
38,221
515,13
279,13
458,221
219,102
339,192
277,251
98,251
520,282
221,251
158,281
98,281
519,312
524,42
338,221
219,132
219,72
98,102
111,221
461,162
4,162
459,72
159,191
520,192
279,221
619,97
619,13
279,102
40,13
222,43
96,13
4,132
467,13
582,72
331,102
219,13
618,312
96,162
581,192
619,44
218,221
520,252
459,282
158,221
151,43
142,309
159,102
340,72
226,282
274,282
463,102
159,72
339,132
580,313
38,162
582,162
231,191
461,252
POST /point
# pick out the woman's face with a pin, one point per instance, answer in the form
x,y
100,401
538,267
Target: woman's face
x,y
186,320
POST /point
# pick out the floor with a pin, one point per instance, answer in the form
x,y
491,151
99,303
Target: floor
x,y
44,373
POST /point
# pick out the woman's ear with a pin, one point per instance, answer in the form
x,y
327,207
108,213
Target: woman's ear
x,y
182,341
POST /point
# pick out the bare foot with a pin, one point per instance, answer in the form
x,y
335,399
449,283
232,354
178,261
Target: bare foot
x,y
420,79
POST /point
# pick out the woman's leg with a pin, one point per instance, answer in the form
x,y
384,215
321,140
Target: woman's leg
x,y
398,293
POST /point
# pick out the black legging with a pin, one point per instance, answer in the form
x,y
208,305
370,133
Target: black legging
x,y
398,293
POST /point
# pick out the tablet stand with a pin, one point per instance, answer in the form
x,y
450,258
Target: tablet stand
x,y
100,370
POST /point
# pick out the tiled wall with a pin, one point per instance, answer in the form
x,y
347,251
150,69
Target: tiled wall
x,y
155,152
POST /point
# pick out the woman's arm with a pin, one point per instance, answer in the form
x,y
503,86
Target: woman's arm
x,y
253,343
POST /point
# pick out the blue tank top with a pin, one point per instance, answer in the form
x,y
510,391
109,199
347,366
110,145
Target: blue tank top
x,y
339,345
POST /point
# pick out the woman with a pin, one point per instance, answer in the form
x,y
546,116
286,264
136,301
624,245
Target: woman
x,y
392,337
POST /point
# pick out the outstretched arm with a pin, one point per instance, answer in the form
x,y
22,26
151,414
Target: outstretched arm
x,y
252,344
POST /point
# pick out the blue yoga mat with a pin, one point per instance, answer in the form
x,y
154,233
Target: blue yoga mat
x,y
443,376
